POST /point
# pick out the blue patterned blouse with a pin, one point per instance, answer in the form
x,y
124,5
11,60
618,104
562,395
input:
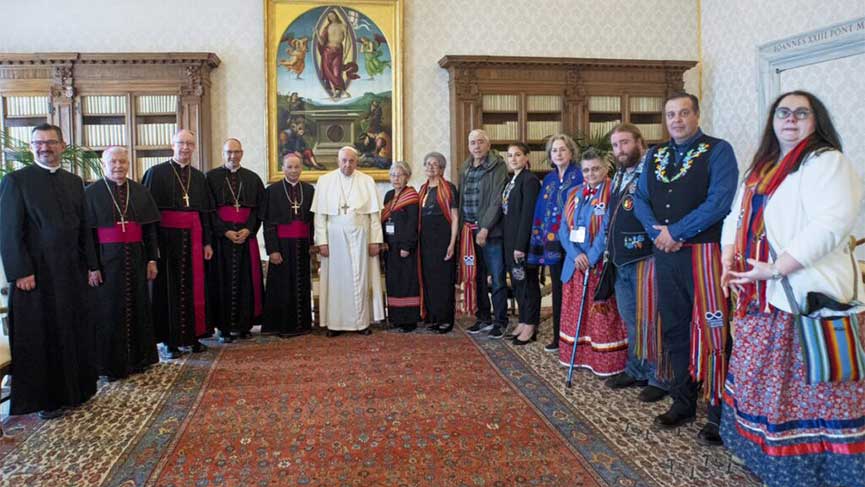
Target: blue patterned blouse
x,y
544,246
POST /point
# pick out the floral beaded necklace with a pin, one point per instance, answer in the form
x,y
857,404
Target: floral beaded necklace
x,y
662,160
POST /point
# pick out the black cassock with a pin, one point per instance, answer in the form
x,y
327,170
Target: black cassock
x,y
234,274
179,303
44,233
288,229
120,307
401,273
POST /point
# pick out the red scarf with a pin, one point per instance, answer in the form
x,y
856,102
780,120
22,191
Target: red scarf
x,y
595,220
751,242
443,197
408,196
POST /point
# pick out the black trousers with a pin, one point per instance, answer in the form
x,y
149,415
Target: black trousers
x,y
556,281
675,291
527,291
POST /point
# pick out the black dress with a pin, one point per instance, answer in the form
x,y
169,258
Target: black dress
x,y
399,221
439,275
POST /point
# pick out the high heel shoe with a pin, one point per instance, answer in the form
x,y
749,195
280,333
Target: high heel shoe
x,y
533,338
442,329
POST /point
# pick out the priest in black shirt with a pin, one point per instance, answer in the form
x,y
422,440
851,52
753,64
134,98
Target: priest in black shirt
x,y
288,232
234,277
124,221
47,249
185,204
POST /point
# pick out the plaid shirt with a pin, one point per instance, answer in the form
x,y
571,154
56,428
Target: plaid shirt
x,y
472,193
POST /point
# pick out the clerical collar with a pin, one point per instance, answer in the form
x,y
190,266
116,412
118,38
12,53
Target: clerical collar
x,y
344,176
232,170
289,182
50,169
179,164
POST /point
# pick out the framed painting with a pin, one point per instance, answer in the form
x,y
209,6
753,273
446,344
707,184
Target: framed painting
x,y
334,79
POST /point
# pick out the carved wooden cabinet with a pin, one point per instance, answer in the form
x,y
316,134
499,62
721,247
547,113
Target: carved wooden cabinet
x,y
528,98
136,100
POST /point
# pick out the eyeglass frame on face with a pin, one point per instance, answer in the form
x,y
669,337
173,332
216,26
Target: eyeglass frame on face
x,y
39,143
783,113
586,170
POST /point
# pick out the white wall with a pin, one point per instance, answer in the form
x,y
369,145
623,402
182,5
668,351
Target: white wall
x,y
233,29
732,30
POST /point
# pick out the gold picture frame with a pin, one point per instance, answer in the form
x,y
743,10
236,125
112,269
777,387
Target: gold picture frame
x,y
334,78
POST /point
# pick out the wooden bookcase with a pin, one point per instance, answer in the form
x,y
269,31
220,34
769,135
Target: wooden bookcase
x,y
136,100
528,99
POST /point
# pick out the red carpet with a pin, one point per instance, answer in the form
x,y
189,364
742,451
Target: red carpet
x,y
388,409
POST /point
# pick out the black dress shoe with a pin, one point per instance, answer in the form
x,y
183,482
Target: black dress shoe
x,y
333,333
226,339
674,418
50,414
366,331
432,327
198,347
652,394
244,335
709,435
531,339
407,328
623,380
442,329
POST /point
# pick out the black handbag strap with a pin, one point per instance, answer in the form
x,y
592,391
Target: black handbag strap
x,y
788,290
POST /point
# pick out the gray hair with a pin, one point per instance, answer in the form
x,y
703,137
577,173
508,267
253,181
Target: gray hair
x,y
438,157
400,166
106,154
569,143
479,133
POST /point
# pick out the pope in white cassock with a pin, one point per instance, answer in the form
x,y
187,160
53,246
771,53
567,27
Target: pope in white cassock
x,y
348,235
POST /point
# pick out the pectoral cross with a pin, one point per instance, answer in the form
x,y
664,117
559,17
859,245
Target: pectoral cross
x,y
236,206
186,199
122,223
295,207
344,208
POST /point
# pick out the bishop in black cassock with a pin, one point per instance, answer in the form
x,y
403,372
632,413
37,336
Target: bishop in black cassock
x,y
185,204
288,232
124,221
234,275
46,249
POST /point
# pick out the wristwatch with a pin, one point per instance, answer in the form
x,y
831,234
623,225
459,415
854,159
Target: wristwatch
x,y
776,274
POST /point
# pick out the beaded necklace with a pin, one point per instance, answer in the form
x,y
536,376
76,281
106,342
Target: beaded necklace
x,y
662,160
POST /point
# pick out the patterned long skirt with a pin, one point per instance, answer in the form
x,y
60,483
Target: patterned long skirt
x,y
789,433
603,341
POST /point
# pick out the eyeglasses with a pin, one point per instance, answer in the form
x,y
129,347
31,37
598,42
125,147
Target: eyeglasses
x,y
781,113
37,143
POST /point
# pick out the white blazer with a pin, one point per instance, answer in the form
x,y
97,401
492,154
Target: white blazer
x,y
810,217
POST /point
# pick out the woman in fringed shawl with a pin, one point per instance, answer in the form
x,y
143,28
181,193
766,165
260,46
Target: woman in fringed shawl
x,y
801,197
399,220
602,344
439,224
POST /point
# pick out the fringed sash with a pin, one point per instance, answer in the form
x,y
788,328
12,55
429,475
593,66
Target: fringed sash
x,y
408,196
709,322
648,322
751,242
468,269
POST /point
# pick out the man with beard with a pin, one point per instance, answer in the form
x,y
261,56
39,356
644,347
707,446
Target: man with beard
x,y
124,219
46,249
629,250
235,284
185,204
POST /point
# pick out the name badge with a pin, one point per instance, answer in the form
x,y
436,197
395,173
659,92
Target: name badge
x,y
389,228
578,235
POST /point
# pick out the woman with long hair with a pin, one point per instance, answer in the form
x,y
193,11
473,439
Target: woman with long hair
x,y
788,228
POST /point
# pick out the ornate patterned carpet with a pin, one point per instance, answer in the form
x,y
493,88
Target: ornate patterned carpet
x,y
389,410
